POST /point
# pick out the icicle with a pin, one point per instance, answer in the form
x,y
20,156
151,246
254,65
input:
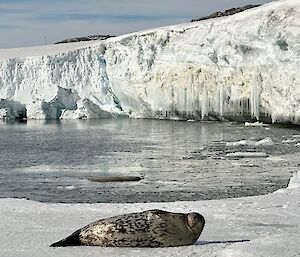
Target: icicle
x,y
255,99
221,99
191,107
204,104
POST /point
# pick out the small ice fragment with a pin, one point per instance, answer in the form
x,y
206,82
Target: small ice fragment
x,y
247,155
66,188
242,142
276,159
70,187
265,142
255,124
289,141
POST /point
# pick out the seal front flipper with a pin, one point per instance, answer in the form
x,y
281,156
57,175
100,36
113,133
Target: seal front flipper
x,y
72,240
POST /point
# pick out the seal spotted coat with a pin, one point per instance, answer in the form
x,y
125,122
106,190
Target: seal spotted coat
x,y
153,228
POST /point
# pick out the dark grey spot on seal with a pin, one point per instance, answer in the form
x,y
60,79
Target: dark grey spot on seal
x,y
153,228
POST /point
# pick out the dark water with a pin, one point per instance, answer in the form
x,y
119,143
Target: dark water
x,y
50,162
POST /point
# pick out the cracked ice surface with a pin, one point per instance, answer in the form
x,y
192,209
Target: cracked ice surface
x,y
245,66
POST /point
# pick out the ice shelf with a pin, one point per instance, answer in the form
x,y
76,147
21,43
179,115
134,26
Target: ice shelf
x,y
241,67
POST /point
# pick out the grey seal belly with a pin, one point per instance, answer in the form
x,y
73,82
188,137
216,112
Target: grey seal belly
x,y
153,228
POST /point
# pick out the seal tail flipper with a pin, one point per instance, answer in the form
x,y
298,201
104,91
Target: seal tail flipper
x,y
71,240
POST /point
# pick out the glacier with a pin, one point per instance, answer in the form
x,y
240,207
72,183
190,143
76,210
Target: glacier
x,y
240,67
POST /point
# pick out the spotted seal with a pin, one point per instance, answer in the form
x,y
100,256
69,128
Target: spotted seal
x,y
152,228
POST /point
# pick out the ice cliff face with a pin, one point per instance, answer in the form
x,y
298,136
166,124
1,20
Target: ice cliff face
x,y
246,66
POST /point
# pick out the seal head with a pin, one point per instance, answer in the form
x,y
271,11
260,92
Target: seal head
x,y
196,223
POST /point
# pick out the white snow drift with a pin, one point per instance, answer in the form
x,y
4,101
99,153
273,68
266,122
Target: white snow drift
x,y
242,66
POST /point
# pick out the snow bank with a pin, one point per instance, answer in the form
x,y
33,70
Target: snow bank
x,y
240,67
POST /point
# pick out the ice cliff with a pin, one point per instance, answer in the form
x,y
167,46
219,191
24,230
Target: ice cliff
x,y
245,66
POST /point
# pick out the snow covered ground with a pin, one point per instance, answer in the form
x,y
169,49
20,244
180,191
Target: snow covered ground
x,y
267,225
241,66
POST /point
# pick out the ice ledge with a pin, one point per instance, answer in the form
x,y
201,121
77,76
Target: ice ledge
x,y
241,67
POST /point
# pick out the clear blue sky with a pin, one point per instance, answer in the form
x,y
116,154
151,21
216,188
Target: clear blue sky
x,y
26,22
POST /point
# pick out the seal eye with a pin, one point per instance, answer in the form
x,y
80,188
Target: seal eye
x,y
193,219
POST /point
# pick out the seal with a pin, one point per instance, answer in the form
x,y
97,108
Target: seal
x,y
152,228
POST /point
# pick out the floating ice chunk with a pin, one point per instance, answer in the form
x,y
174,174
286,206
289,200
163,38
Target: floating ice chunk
x,y
241,143
264,142
66,188
255,124
276,159
289,141
70,188
247,155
